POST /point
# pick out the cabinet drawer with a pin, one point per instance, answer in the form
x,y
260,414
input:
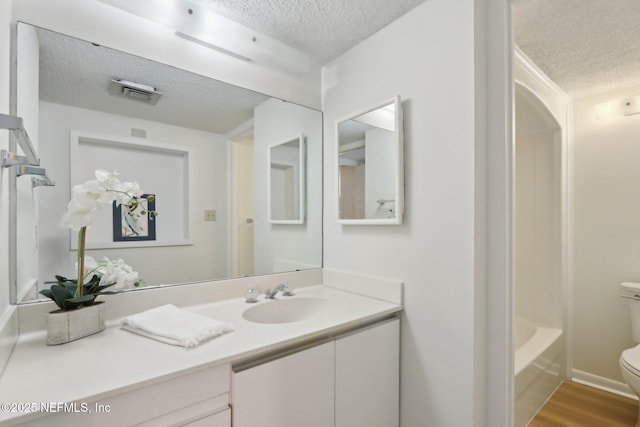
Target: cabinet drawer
x,y
220,419
207,387
191,414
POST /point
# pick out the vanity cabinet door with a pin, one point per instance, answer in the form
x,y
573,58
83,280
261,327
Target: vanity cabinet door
x,y
367,377
292,391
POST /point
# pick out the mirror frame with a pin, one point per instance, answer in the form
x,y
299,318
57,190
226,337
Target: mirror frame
x,y
399,165
301,177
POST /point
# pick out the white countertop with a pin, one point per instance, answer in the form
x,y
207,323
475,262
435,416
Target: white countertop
x,y
116,360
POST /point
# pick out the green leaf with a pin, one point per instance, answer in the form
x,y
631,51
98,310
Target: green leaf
x,y
107,292
70,286
46,293
92,285
108,285
76,302
83,299
60,295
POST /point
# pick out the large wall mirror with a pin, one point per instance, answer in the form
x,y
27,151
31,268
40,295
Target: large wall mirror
x,y
201,146
370,171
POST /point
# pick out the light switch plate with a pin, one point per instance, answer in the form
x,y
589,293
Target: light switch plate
x,y
210,215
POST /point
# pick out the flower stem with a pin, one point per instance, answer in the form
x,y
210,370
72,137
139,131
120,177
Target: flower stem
x,y
81,244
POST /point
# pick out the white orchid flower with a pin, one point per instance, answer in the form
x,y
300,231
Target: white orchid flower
x,y
126,192
94,190
131,279
79,214
90,264
86,199
94,194
111,271
121,274
107,177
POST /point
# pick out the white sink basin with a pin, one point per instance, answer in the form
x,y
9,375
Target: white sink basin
x,y
294,309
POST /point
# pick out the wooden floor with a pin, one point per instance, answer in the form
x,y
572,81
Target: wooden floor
x,y
577,405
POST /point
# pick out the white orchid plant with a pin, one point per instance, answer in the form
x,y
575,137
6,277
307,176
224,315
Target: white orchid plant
x,y
86,200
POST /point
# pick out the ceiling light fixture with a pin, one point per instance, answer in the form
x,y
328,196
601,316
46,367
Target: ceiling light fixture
x,y
132,90
212,46
196,22
629,106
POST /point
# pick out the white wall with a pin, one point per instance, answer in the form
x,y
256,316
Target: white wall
x,y
8,322
426,56
206,258
607,231
286,246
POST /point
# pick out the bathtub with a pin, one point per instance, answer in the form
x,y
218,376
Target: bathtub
x,y
538,366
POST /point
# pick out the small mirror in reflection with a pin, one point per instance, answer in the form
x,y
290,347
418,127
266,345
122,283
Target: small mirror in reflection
x,y
286,182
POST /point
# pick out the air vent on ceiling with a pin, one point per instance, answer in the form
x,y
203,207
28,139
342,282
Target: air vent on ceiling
x,y
133,90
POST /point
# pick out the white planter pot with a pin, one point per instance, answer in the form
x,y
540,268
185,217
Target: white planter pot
x,y
66,326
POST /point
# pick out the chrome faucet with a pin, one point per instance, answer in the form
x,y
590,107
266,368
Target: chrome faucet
x,y
283,287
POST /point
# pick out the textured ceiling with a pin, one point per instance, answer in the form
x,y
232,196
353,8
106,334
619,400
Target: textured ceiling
x,y
324,29
74,72
584,46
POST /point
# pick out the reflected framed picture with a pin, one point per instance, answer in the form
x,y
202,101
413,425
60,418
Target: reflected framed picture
x,y
135,221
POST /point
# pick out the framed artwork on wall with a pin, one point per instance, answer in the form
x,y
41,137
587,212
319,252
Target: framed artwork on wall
x,y
135,222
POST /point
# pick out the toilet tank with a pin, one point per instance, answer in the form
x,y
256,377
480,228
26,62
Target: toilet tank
x,y
631,291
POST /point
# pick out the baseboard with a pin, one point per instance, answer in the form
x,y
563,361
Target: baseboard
x,y
602,383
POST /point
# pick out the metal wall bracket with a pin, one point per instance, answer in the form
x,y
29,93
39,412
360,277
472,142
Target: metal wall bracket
x,y
12,159
27,164
42,182
37,181
16,128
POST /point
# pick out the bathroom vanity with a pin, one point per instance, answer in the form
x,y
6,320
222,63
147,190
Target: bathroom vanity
x,y
356,372
335,362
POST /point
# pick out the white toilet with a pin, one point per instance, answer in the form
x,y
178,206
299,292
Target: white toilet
x,y
630,358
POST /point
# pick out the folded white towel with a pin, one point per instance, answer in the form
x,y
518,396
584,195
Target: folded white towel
x,y
175,326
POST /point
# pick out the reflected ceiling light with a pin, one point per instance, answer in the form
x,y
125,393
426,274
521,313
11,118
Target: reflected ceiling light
x,y
136,91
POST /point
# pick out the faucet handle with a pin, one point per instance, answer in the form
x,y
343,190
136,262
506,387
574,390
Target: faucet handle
x,y
251,295
287,290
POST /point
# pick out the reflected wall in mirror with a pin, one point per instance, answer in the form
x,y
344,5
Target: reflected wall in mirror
x,y
370,173
203,146
287,181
